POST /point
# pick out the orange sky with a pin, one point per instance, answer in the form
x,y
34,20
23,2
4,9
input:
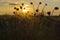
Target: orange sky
x,y
5,8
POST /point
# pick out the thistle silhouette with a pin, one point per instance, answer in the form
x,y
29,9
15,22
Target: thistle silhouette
x,y
24,8
14,12
49,13
33,8
43,9
22,4
20,7
37,10
39,5
14,7
17,9
32,5
55,8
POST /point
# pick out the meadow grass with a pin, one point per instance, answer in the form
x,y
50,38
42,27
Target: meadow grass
x,y
37,28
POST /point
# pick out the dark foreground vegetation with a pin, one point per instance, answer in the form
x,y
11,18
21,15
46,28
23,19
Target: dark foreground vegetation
x,y
36,28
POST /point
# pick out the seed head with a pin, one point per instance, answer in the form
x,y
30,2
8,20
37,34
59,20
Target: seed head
x,y
31,3
49,13
14,12
37,10
22,4
17,9
20,7
56,8
14,7
46,4
40,3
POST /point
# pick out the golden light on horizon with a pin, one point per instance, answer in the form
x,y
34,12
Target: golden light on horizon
x,y
26,9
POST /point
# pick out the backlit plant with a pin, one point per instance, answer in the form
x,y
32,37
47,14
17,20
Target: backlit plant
x,y
37,9
49,13
55,8
43,9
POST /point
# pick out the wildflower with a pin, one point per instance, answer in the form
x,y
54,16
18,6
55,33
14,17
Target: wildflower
x,y
33,6
20,7
45,4
14,7
49,13
43,9
56,8
31,3
37,10
34,14
40,3
17,9
14,12
22,4
24,8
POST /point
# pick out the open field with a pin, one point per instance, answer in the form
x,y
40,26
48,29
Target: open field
x,y
36,28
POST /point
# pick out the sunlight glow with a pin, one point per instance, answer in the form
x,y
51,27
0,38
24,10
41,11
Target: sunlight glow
x,y
26,5
26,9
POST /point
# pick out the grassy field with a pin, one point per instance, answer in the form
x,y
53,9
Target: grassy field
x,y
36,28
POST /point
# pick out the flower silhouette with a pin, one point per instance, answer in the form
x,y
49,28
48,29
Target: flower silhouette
x,y
20,7
55,8
43,8
14,12
38,7
40,2
49,13
22,4
14,7
45,4
24,8
33,6
37,10
31,3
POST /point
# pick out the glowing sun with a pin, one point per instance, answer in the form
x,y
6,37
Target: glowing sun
x,y
25,9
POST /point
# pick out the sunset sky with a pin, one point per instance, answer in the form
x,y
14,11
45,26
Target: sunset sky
x,y
5,8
